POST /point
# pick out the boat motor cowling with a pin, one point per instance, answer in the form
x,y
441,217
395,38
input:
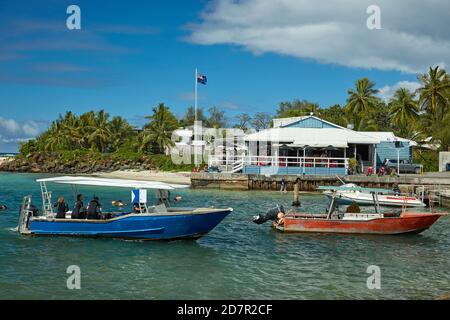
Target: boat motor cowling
x,y
271,214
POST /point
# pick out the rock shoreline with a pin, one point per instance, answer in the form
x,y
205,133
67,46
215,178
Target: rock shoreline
x,y
56,163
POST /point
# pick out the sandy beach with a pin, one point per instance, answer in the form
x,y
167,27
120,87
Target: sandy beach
x,y
151,175
5,159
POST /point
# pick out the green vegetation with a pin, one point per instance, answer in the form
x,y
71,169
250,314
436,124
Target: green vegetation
x,y
103,143
423,115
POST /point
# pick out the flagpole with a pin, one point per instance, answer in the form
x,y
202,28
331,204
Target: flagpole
x,y
195,108
195,120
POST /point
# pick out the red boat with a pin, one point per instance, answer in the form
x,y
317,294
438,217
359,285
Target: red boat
x,y
334,221
406,222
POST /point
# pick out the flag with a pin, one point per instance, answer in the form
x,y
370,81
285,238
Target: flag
x,y
201,79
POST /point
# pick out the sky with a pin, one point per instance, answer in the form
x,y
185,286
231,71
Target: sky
x,y
131,55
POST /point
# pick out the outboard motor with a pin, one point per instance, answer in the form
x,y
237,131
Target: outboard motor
x,y
271,214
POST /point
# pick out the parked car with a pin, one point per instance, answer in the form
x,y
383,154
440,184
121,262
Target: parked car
x,y
406,166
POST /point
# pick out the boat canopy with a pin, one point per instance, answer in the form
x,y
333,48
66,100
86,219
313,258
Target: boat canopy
x,y
369,190
121,183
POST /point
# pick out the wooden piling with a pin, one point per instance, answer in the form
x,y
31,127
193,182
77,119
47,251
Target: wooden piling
x,y
296,202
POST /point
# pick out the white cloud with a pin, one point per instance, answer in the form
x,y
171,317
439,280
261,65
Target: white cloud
x,y
413,35
387,92
15,131
8,125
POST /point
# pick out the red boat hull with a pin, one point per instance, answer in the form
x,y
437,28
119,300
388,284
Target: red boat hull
x,y
406,223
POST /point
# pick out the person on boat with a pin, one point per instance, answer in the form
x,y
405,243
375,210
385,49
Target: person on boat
x,y
396,190
353,208
177,198
136,208
79,211
94,209
163,196
275,214
61,208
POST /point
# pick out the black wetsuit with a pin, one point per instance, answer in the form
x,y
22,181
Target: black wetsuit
x,y
93,211
78,211
61,210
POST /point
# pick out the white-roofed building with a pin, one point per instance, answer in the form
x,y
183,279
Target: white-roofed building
x,y
310,145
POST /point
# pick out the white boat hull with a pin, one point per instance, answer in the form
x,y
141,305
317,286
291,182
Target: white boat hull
x,y
361,198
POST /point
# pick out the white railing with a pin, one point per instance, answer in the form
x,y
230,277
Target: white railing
x,y
230,163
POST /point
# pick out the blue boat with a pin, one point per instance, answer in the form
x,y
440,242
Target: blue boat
x,y
158,222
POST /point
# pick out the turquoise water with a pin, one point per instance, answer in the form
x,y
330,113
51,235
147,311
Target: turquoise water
x,y
237,260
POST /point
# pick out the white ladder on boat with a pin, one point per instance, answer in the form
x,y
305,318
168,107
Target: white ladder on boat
x,y
46,200
24,215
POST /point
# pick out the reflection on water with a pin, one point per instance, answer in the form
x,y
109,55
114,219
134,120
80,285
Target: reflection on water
x,y
238,259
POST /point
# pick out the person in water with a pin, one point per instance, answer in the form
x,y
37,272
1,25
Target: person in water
x,y
78,211
94,209
61,208
3,207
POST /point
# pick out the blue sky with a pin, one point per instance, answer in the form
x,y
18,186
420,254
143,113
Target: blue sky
x,y
131,55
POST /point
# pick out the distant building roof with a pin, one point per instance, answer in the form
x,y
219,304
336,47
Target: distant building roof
x,y
309,121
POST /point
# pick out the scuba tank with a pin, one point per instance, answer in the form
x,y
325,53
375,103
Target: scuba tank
x,y
271,214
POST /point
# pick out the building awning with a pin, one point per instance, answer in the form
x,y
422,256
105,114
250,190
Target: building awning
x,y
314,137
388,136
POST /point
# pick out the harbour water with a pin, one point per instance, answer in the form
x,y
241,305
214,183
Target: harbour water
x,y
237,260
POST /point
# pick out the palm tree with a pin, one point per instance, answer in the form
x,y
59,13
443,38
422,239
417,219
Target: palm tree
x,y
434,92
157,135
404,111
361,101
100,135
54,139
71,130
121,131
